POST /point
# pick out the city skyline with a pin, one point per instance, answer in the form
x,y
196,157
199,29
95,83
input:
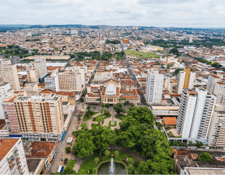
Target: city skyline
x,y
171,13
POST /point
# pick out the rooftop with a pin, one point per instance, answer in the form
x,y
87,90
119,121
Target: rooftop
x,y
42,149
5,146
170,120
33,164
206,171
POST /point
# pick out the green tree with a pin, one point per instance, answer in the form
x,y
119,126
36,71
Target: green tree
x,y
84,126
205,157
130,160
130,168
65,160
84,145
116,153
96,160
107,152
82,99
127,103
118,108
94,171
67,149
101,110
107,105
88,107
103,105
199,144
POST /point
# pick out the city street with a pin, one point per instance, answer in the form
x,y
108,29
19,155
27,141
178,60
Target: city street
x,y
63,144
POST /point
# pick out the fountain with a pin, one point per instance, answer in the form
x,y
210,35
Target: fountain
x,y
112,169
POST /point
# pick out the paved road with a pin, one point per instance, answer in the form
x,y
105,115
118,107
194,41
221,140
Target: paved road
x,y
63,144
133,77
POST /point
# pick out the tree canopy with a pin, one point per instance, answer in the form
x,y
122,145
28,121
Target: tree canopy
x,y
205,157
136,133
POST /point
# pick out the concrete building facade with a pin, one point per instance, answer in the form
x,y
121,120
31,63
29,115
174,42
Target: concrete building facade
x,y
12,157
154,87
8,73
195,114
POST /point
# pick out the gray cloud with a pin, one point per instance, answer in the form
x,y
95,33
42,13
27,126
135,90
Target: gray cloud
x,y
162,13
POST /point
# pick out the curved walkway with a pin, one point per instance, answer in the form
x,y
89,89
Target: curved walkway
x,y
134,154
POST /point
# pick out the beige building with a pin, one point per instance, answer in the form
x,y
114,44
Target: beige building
x,y
73,80
32,75
111,92
219,91
8,73
40,117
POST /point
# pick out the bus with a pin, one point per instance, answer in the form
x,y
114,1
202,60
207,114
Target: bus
x,y
60,169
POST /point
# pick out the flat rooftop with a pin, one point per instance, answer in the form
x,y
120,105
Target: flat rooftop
x,y
33,164
207,171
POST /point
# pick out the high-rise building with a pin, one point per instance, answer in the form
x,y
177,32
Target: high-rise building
x,y
125,41
216,136
211,82
73,80
12,157
8,73
219,91
52,82
195,114
154,87
5,91
36,117
186,80
41,67
32,75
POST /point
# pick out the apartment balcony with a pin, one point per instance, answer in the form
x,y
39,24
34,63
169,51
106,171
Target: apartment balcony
x,y
12,166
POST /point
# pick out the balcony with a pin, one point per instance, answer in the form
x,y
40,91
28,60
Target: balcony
x,y
12,166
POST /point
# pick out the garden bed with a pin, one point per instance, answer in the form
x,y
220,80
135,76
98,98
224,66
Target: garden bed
x,y
115,123
100,118
86,117
120,116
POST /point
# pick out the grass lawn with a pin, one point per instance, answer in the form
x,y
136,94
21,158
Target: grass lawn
x,y
86,118
96,126
115,123
69,168
100,118
141,55
89,165
120,116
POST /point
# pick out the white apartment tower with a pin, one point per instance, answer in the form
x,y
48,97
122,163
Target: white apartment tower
x,y
12,157
5,91
186,80
195,114
154,87
9,74
211,82
41,67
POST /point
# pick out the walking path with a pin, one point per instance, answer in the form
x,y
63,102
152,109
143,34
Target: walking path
x,y
134,154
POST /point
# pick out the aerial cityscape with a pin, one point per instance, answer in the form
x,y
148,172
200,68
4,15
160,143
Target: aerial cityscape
x,y
126,97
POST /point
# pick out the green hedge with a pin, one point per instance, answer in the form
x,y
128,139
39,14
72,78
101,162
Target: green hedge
x,y
159,125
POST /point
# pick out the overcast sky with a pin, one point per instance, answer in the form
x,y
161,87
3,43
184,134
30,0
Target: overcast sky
x,y
159,13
